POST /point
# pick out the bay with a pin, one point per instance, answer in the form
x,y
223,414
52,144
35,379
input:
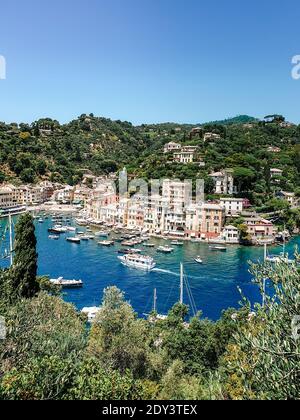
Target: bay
x,y
214,284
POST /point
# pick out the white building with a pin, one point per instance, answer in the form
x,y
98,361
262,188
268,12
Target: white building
x,y
171,147
232,206
184,157
224,182
231,234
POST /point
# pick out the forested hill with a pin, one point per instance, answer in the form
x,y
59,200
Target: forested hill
x,y
48,150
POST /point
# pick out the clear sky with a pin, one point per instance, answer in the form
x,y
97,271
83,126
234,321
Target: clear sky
x,y
149,60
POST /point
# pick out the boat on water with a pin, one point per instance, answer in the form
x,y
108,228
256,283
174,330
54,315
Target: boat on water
x,y
165,249
91,313
84,238
199,260
106,243
126,251
81,222
102,234
177,243
277,259
54,237
71,229
138,261
149,245
67,284
218,248
74,240
41,220
128,243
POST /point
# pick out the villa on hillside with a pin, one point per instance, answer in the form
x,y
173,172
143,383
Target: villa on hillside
x,y
171,147
224,182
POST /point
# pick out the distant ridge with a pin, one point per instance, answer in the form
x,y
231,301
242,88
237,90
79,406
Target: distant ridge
x,y
240,119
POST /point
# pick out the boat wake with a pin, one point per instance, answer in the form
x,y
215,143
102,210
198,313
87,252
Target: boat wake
x,y
160,270
172,273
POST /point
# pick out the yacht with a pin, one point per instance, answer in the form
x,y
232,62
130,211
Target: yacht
x,y
165,249
81,222
67,284
138,261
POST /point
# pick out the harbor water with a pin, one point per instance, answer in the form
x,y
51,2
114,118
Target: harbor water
x,y
214,284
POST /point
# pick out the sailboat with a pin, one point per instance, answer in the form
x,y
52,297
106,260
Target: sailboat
x,y
183,282
282,258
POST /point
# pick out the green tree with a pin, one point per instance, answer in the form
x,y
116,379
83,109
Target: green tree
x,y
24,269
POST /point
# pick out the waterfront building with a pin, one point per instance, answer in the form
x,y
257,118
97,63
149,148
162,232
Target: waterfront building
x,y
259,228
212,220
9,196
231,235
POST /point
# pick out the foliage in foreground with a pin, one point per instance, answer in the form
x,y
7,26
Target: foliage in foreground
x,y
49,353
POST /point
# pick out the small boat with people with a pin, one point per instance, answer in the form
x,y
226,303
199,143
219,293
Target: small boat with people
x,y
165,249
138,261
67,284
199,260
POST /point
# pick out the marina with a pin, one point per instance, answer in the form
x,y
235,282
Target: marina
x,y
214,283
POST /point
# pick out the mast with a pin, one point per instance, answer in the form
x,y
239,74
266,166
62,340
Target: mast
x,y
265,254
155,301
10,240
181,284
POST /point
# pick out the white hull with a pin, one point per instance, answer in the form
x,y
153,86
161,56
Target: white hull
x,y
136,264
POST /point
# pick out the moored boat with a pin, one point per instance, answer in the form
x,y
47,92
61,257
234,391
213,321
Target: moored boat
x,y
74,240
218,248
165,249
67,284
106,243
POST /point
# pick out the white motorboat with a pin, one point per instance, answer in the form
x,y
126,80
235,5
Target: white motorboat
x,y
218,248
165,249
177,243
74,240
54,237
138,261
106,243
102,234
199,260
67,284
91,313
81,222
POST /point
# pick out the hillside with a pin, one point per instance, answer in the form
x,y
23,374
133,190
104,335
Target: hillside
x,y
48,150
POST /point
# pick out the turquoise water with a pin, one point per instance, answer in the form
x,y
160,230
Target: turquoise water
x,y
214,285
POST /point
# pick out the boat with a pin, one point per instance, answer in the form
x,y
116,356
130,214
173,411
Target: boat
x,y
218,248
126,251
106,243
128,243
102,234
149,245
71,229
138,261
199,260
277,259
91,237
84,238
74,240
177,243
165,249
81,222
41,220
91,313
67,284
55,237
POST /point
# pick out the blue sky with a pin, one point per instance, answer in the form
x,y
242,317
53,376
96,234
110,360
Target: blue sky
x,y
149,60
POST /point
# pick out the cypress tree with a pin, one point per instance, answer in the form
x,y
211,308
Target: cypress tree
x,y
24,269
